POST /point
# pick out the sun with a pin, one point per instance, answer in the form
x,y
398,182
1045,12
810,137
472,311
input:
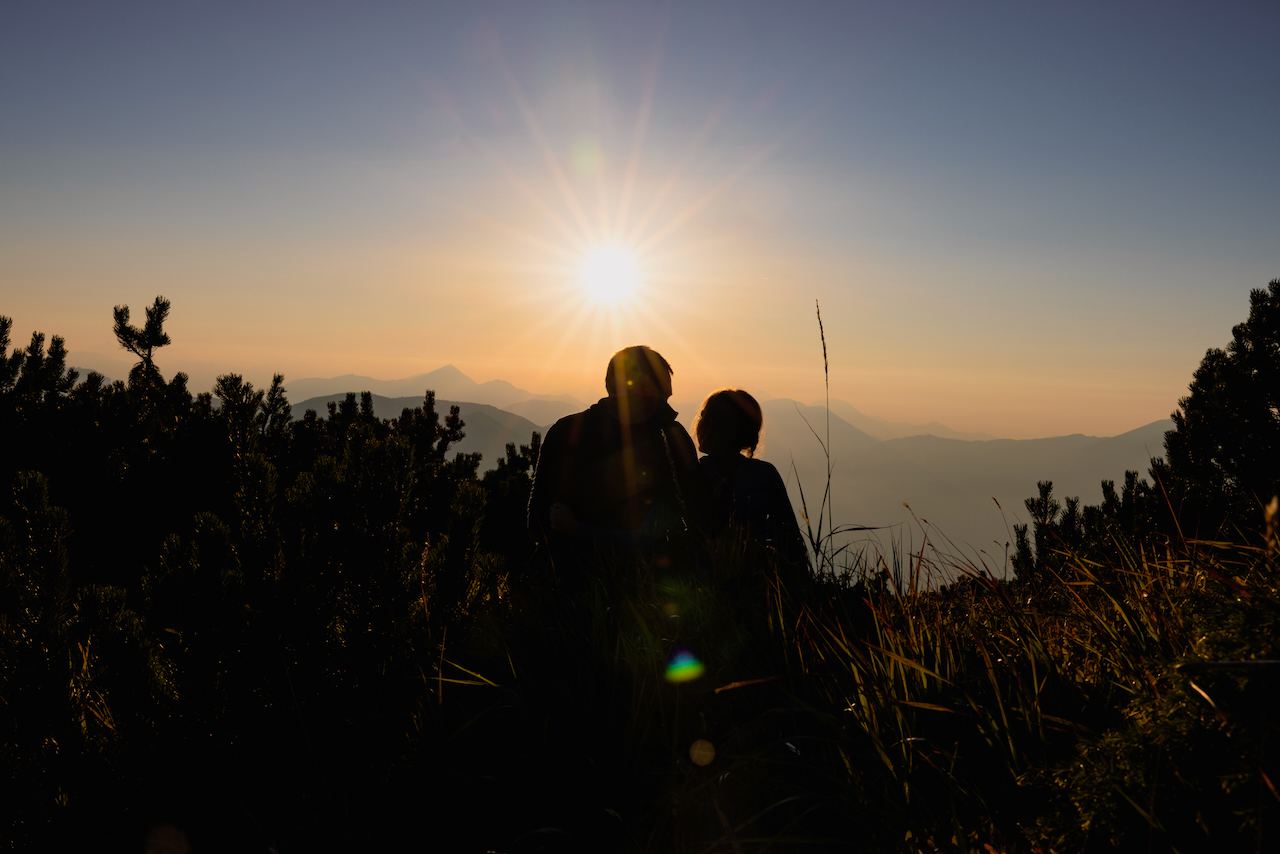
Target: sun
x,y
608,275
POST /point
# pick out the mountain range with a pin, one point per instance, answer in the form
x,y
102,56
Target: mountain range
x,y
964,491
881,428
966,495
447,382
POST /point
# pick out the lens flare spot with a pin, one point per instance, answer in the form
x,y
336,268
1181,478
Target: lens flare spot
x,y
702,752
587,156
684,667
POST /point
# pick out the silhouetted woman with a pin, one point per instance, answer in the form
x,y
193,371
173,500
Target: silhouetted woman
x,y
747,494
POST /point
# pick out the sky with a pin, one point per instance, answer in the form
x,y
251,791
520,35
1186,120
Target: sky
x,y
1024,219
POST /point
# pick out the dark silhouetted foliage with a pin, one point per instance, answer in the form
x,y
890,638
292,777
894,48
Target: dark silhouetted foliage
x,y
332,633
1224,450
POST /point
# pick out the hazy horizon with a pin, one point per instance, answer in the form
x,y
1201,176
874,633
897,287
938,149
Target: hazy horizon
x,y
1022,221
687,404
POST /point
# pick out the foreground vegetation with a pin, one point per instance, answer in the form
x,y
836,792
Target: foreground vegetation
x,y
224,626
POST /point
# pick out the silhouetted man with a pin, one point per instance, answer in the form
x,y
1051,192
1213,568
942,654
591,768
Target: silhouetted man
x,y
623,475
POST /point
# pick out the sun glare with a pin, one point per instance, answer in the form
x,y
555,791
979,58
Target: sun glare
x,y
609,275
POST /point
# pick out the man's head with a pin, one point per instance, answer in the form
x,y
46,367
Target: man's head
x,y
638,377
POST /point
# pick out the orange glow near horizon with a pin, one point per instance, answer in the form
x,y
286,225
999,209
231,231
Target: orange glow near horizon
x,y
546,215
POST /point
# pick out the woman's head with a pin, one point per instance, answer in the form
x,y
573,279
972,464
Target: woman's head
x,y
729,422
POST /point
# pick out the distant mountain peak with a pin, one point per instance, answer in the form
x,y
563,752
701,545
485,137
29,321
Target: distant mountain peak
x,y
450,371
448,382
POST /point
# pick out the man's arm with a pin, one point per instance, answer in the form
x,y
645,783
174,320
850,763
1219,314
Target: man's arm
x,y
546,481
692,481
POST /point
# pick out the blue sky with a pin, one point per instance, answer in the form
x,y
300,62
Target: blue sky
x,y
1024,219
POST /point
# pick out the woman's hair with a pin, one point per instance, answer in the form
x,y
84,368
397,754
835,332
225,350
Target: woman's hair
x,y
729,422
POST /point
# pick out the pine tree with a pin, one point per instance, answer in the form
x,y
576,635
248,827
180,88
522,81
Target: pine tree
x,y
1224,450
10,366
143,342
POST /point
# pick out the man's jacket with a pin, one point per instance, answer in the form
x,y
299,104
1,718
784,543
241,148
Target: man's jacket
x,y
611,473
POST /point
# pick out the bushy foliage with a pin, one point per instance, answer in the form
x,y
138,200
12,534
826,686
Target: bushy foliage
x,y
189,575
331,634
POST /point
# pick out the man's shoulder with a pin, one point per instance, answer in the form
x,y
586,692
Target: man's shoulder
x,y
565,422
682,444
677,430
570,427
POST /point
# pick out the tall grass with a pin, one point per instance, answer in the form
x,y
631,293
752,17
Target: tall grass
x,y
827,541
871,707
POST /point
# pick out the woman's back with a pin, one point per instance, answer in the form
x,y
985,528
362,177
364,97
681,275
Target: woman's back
x,y
749,495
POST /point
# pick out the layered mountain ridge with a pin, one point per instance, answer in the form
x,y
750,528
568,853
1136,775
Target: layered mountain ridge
x,y
964,491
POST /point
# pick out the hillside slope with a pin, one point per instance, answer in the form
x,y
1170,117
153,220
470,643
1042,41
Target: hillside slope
x,y
948,482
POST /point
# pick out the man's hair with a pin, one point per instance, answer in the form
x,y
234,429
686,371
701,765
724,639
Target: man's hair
x,y
729,422
632,363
